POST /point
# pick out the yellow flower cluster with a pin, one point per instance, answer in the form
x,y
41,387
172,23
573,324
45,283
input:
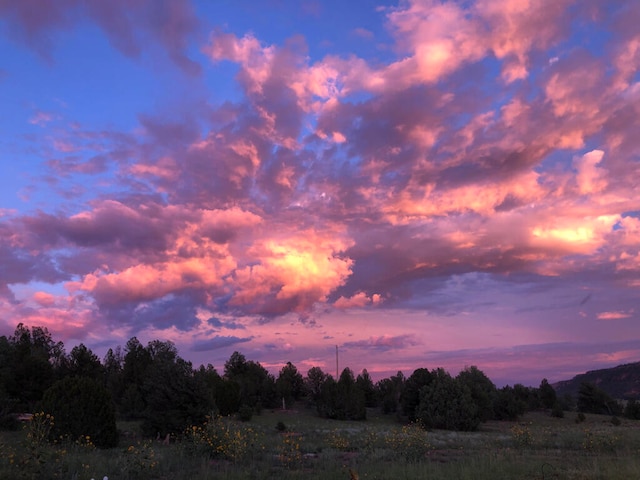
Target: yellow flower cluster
x,y
222,437
289,451
599,441
521,435
339,441
39,428
84,441
139,459
409,442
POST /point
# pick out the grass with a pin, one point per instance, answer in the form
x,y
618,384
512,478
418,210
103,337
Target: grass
x,y
536,447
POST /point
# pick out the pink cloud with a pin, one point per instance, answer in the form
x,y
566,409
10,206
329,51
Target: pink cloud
x,y
614,315
41,118
591,177
358,300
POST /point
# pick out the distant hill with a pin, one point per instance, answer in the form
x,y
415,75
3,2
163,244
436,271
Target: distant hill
x,y
619,382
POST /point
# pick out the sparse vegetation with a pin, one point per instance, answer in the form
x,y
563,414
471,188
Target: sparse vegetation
x,y
183,423
316,448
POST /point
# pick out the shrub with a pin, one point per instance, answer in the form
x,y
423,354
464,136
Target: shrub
x,y
580,417
557,411
221,437
410,442
245,413
82,407
281,427
615,421
447,403
521,435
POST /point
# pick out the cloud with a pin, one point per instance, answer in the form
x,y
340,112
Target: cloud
x,y
484,148
591,177
383,343
616,315
218,342
128,26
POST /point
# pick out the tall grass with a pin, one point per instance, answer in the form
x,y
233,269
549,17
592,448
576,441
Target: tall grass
x,y
537,447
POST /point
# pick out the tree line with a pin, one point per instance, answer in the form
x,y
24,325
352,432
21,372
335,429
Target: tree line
x,y
166,393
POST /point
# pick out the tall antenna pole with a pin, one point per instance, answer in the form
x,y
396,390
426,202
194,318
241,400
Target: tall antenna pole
x,y
337,363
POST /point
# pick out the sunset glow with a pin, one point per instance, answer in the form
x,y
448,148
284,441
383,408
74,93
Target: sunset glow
x,y
422,183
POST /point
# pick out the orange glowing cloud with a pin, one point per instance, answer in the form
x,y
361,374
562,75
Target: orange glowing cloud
x,y
302,269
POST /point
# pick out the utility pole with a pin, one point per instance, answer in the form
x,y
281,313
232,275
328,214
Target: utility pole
x,y
337,370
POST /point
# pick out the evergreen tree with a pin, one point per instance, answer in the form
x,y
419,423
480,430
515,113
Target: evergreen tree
x,y
365,384
173,397
313,385
592,399
82,362
446,403
547,394
289,384
410,399
390,392
81,406
507,405
482,390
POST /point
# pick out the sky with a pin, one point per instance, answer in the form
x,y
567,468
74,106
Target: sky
x,y
419,183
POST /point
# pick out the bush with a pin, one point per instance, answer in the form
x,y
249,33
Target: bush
x,y
446,403
281,427
580,417
557,411
245,413
615,421
82,407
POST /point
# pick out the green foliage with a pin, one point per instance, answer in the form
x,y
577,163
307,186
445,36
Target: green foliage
x,y
137,360
8,419
410,442
482,390
82,362
289,384
82,407
557,410
521,435
410,399
138,461
313,383
221,437
547,394
592,399
257,386
365,384
289,452
350,401
447,403
28,361
507,405
632,410
342,400
35,458
173,398
390,392
245,413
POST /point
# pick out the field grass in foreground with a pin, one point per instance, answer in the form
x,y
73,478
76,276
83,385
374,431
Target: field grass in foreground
x,y
536,447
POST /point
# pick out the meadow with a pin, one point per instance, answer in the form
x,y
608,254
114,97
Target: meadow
x,y
299,445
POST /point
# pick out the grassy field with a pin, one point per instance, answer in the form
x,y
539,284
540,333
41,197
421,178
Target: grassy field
x,y
536,447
